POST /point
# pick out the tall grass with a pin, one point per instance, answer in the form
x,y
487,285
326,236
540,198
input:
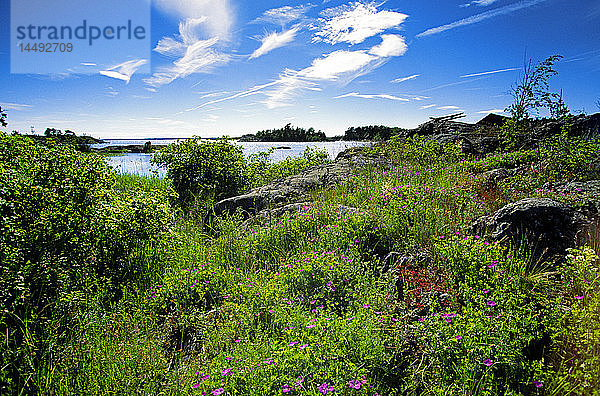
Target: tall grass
x,y
307,304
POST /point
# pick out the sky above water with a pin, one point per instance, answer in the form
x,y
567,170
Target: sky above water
x,y
229,67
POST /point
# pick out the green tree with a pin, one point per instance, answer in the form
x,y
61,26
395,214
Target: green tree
x,y
532,92
3,118
204,170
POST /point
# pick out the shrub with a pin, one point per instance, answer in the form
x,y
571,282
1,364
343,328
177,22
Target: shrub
x,y
203,170
66,239
260,171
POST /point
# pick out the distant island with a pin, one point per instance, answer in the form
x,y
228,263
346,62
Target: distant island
x,y
286,134
82,143
297,134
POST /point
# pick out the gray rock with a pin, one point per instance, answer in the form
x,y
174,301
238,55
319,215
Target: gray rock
x,y
589,189
486,144
284,190
494,176
546,226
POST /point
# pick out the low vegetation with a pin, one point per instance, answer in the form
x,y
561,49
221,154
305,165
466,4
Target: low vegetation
x,y
110,284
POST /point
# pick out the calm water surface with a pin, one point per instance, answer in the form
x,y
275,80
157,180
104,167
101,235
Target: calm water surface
x,y
138,163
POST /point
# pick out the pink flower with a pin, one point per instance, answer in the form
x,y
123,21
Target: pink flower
x,y
218,391
286,388
487,362
354,384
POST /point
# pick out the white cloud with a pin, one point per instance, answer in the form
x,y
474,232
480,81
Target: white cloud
x,y
496,111
339,66
125,70
490,72
481,17
371,96
428,106
448,108
332,66
15,106
402,79
481,3
274,40
256,88
392,45
354,23
284,15
194,55
218,13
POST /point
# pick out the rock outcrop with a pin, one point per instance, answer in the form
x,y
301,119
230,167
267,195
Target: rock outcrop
x,y
282,191
546,226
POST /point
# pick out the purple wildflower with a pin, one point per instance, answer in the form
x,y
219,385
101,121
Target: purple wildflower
x,y
487,362
286,388
218,391
354,384
325,388
537,384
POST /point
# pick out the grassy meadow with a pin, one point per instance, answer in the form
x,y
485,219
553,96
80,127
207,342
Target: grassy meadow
x,y
111,287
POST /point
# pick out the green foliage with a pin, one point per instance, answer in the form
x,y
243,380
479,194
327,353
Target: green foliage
x,y
577,355
371,132
260,171
531,93
3,118
494,338
287,134
203,170
123,299
67,240
416,150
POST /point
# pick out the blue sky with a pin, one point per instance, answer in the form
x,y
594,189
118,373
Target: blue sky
x,y
232,67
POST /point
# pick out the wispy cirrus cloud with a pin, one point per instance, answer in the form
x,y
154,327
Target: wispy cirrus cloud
x,y
274,40
193,54
481,17
480,3
15,106
125,70
485,73
402,79
339,66
427,106
495,111
448,108
247,92
354,23
371,96
284,15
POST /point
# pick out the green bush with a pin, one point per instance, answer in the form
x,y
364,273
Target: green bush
x,y
260,171
203,170
67,238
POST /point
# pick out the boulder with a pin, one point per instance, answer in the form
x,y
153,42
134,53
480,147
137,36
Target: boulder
x,y
494,176
284,190
546,226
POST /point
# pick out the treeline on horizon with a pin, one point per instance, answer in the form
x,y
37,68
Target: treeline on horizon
x,y
298,134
